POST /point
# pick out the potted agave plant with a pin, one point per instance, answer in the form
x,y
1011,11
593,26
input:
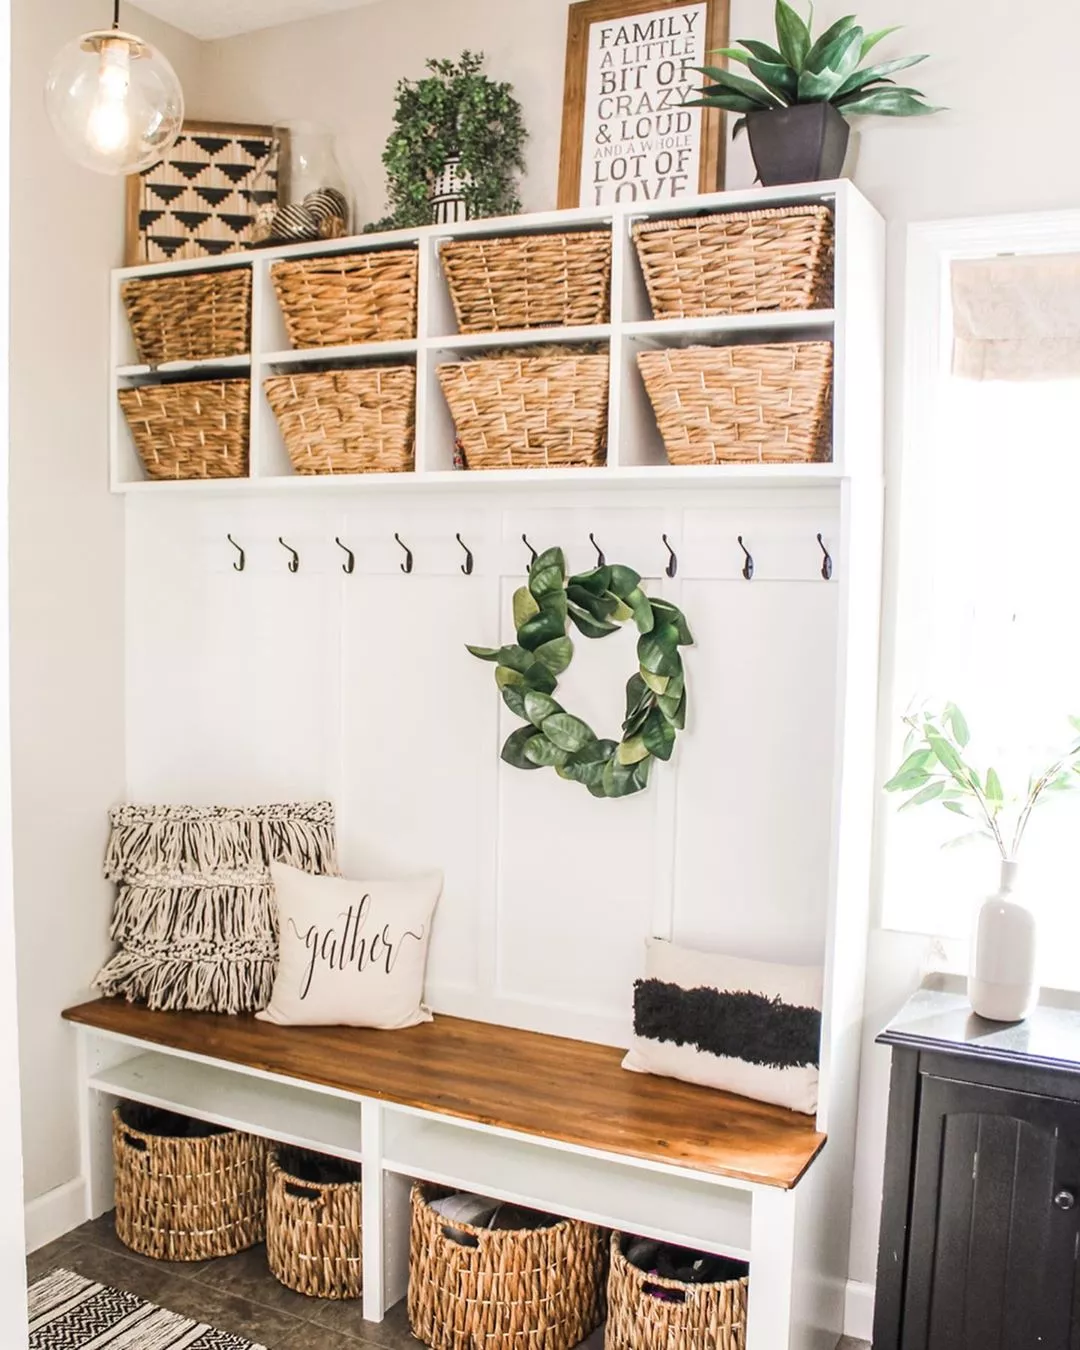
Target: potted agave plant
x,y
796,107
1002,983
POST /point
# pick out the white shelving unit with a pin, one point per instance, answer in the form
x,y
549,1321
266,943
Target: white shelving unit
x,y
634,443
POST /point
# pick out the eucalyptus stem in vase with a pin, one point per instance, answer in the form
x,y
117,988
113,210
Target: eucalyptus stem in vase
x,y
937,768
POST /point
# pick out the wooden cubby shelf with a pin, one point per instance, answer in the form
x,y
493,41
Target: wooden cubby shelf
x,y
635,451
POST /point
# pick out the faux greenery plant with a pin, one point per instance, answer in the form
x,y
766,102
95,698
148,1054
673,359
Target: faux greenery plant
x,y
936,769
455,111
800,69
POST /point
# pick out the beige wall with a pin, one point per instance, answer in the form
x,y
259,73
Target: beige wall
x,y
67,575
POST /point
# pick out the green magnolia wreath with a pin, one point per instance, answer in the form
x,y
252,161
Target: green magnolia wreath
x,y
527,674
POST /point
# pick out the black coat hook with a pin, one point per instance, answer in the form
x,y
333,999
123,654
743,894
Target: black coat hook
x,y
532,551
748,565
826,562
673,562
467,565
601,561
349,565
294,561
241,562
407,565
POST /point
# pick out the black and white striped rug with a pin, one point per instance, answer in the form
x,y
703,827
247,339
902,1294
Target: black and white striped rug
x,y
70,1313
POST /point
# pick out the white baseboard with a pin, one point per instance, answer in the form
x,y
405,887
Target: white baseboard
x,y
859,1310
50,1216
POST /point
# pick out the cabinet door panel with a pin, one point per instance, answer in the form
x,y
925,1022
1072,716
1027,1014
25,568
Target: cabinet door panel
x,y
992,1257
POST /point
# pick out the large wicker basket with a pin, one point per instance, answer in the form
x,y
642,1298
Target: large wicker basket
x,y
647,1312
535,1289
190,430
529,280
186,1199
529,410
359,420
190,316
738,262
313,1227
770,403
346,298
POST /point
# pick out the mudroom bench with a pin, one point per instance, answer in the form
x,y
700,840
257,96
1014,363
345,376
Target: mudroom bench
x,y
539,1120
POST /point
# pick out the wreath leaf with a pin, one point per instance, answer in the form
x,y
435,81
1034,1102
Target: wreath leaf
x,y
514,697
540,752
513,751
589,627
658,736
540,629
525,606
567,731
556,654
538,706
624,581
595,582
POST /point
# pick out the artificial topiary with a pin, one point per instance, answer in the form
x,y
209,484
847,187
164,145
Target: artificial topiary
x,y
455,112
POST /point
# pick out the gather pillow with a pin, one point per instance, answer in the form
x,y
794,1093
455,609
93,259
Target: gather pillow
x,y
750,1027
351,953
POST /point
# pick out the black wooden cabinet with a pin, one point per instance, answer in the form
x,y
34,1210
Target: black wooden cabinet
x,y
980,1229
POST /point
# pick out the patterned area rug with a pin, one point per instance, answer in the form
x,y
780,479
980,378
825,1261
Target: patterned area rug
x,y
70,1313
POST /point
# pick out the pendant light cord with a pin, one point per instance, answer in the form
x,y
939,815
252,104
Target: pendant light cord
x,y
116,14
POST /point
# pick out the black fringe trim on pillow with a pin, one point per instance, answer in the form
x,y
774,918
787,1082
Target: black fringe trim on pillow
x,y
742,1026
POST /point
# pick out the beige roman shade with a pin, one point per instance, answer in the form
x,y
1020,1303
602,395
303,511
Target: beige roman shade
x,y
1017,317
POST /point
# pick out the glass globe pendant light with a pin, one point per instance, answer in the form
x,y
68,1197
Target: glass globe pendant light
x,y
114,101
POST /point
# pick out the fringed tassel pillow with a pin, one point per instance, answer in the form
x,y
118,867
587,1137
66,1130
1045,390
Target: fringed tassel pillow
x,y
749,1027
195,917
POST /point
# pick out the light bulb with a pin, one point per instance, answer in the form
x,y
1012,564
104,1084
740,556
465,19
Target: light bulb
x,y
114,102
109,127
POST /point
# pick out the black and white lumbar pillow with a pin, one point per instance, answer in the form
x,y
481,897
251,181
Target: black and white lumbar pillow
x,y
352,953
749,1027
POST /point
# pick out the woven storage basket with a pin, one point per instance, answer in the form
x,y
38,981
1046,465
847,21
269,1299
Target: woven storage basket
x,y
312,1229
192,316
537,1289
701,1316
347,421
738,262
197,429
180,1199
529,280
530,411
767,404
348,297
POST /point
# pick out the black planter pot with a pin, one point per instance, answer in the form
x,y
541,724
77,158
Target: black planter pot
x,y
798,145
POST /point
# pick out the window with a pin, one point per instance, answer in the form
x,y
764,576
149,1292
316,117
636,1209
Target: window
x,y
984,537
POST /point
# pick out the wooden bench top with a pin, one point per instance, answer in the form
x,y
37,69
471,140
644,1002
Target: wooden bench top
x,y
571,1091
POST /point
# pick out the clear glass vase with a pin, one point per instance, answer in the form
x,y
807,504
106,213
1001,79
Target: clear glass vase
x,y
310,177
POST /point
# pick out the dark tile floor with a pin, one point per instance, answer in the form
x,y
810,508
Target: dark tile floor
x,y
237,1294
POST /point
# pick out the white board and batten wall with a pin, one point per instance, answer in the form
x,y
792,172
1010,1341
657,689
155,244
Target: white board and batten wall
x,y
266,685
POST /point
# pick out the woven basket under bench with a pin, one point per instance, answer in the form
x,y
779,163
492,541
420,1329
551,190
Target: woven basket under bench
x,y
190,316
529,280
530,1289
357,420
186,1199
313,1227
190,429
649,1312
530,410
738,262
763,403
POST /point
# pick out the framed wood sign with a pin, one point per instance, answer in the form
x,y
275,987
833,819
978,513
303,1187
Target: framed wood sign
x,y
625,135
201,199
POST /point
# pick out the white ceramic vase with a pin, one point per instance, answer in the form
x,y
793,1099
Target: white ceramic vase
x,y
1002,985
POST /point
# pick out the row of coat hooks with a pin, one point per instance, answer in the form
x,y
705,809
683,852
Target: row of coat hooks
x,y
671,568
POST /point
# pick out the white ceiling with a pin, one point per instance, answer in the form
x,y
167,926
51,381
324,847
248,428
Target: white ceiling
x,y
225,18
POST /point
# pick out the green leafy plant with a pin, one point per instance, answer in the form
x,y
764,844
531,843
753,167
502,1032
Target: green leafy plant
x,y
936,768
800,69
527,672
455,111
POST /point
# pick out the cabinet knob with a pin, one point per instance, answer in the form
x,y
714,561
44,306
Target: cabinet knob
x,y
1065,1200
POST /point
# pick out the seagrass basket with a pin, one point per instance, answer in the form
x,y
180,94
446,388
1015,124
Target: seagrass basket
x,y
186,1199
346,298
648,1312
193,429
769,403
313,1225
529,280
360,420
190,316
530,409
738,262
534,1289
